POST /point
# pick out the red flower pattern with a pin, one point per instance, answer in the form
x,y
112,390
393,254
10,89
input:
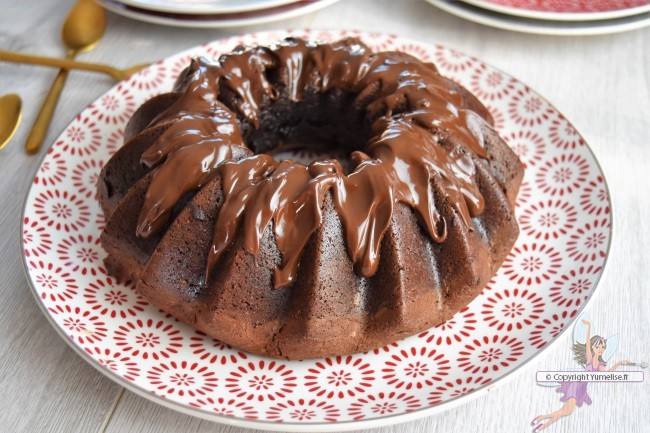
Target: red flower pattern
x,y
497,116
149,338
84,177
100,221
213,350
303,410
416,50
512,308
57,283
53,170
116,361
453,330
564,135
589,243
182,378
83,326
549,328
214,51
490,354
451,60
594,198
489,84
83,137
528,145
383,403
81,254
113,299
454,388
114,141
115,107
527,108
261,380
376,41
339,376
36,239
386,348
61,210
227,407
525,193
182,63
148,79
548,219
574,287
562,175
532,263
415,368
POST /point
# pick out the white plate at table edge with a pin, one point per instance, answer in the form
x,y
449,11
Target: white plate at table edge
x,y
213,7
559,16
339,425
541,27
256,17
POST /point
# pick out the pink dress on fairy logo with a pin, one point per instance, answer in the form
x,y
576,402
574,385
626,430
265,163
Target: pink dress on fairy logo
x,y
578,390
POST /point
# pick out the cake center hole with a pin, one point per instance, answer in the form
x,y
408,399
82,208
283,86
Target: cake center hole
x,y
319,126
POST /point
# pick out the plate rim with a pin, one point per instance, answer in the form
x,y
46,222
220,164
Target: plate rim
x,y
559,16
294,12
541,27
206,9
337,426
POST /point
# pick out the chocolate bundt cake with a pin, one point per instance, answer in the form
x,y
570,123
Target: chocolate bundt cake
x,y
303,261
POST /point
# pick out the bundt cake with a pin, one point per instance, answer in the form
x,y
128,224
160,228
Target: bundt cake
x,y
303,261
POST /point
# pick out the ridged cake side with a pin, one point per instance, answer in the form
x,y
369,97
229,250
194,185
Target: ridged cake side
x,y
330,309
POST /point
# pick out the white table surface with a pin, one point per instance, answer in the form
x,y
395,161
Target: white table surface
x,y
601,83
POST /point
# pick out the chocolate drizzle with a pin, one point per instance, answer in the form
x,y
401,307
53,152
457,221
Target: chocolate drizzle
x,y
202,134
260,189
421,136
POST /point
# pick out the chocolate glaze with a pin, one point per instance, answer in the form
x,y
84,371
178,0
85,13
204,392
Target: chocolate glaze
x,y
260,189
203,134
415,118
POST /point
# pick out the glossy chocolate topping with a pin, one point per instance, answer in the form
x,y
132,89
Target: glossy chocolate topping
x,y
418,127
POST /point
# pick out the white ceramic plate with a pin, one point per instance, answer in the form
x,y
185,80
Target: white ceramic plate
x,y
566,10
564,213
206,6
238,19
542,27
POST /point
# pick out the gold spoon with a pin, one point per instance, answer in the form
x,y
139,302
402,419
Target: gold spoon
x,y
116,74
82,30
10,114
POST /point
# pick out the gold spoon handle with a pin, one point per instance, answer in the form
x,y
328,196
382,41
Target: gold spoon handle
x,y
11,56
44,117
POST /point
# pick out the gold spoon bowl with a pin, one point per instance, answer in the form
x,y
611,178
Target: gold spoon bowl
x,y
10,115
82,30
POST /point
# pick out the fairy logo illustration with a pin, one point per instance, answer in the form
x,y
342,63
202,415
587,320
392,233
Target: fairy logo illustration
x,y
592,352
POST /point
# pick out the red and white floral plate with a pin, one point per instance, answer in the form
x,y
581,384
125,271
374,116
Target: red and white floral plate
x,y
566,10
564,212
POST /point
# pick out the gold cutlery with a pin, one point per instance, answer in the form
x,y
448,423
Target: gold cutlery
x,y
116,74
82,30
10,115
